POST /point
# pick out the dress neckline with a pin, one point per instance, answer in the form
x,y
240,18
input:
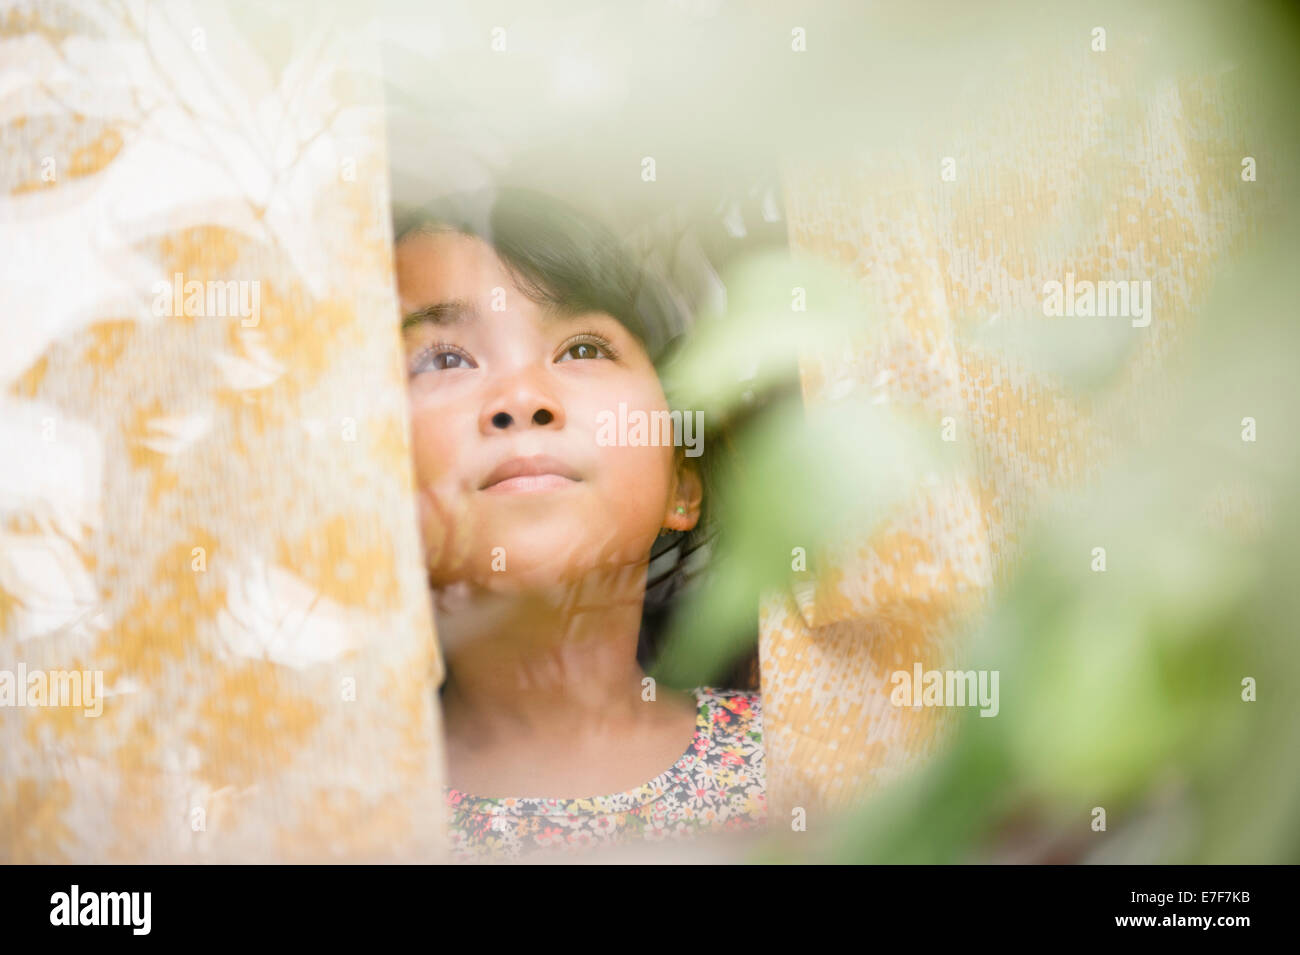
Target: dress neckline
x,y
628,799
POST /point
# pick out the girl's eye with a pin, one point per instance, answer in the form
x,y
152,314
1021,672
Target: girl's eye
x,y
588,347
442,358
581,350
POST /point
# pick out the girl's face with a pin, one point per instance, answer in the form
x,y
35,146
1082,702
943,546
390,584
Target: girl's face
x,y
514,490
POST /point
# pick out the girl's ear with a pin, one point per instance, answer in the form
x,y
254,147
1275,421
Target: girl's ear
x,y
684,503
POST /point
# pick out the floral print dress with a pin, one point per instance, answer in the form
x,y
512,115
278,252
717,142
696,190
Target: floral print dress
x,y
719,783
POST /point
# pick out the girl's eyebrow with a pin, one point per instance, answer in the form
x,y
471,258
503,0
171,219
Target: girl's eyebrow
x,y
455,312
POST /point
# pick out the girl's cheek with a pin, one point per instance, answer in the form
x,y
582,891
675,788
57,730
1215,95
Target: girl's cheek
x,y
434,447
642,477
446,531
643,468
443,522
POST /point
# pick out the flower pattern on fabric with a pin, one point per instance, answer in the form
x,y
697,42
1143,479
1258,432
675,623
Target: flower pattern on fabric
x,y
719,783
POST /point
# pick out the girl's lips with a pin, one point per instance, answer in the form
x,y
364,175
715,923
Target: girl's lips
x,y
512,475
529,483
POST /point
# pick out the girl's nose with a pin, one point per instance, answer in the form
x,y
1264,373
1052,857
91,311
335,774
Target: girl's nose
x,y
524,403
503,419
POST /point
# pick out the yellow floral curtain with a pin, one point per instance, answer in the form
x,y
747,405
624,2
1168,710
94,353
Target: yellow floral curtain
x,y
206,494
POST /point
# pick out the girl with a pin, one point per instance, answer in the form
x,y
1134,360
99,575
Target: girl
x,y
526,325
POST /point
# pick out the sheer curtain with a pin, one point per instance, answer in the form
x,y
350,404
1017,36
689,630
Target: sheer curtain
x,y
1084,162
206,496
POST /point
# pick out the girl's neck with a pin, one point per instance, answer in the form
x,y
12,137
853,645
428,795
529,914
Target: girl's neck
x,y
541,665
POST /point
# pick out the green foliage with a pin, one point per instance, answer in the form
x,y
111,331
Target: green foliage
x,y
1120,689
